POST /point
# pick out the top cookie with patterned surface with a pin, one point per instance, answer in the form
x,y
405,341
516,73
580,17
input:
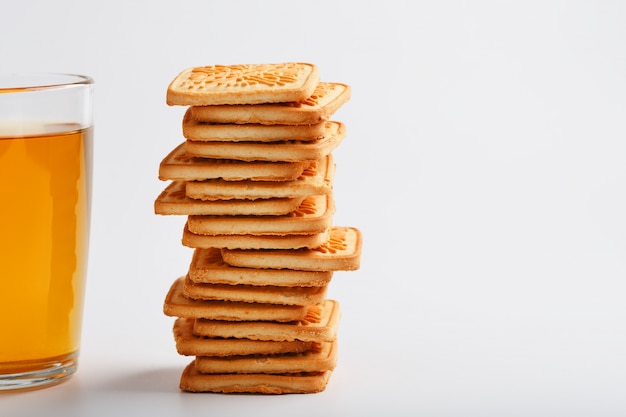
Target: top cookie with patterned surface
x,y
243,84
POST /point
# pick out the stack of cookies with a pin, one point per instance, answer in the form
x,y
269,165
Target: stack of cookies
x,y
255,179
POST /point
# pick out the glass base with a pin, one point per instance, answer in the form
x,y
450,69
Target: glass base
x,y
37,374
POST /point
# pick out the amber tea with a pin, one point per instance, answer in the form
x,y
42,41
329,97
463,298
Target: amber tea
x,y
44,226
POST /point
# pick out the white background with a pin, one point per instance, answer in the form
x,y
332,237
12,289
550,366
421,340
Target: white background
x,y
484,165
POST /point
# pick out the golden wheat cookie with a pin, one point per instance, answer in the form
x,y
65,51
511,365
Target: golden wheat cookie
x,y
207,266
188,344
243,84
291,383
287,151
326,99
316,179
320,324
262,242
341,252
178,166
316,360
304,296
230,132
314,215
174,201
177,305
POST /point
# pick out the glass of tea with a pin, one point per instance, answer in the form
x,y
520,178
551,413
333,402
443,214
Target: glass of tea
x,y
46,134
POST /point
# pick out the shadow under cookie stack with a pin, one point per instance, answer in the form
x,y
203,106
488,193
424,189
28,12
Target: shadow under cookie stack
x,y
254,177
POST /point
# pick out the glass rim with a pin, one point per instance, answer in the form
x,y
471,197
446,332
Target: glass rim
x,y
30,81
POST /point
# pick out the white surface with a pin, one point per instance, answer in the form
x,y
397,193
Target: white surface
x,y
484,164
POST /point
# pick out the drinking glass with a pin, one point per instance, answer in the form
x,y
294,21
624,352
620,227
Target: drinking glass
x,y
46,135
